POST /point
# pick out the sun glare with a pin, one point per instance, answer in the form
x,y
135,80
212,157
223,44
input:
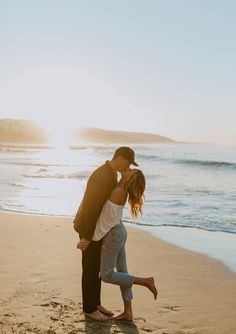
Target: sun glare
x,y
59,132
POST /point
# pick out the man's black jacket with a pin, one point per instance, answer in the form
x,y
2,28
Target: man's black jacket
x,y
99,187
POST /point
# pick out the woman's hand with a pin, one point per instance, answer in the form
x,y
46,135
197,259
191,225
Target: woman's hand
x,y
83,244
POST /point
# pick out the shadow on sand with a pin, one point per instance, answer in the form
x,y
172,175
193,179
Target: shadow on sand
x,y
107,327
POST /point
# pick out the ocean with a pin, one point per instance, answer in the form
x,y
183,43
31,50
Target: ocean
x,y
189,186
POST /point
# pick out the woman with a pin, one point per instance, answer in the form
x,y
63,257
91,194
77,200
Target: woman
x,y
109,226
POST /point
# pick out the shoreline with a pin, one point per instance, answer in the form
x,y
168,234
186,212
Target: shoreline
x,y
189,238
220,246
40,283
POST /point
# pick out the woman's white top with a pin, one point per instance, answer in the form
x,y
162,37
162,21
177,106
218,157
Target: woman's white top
x,y
110,216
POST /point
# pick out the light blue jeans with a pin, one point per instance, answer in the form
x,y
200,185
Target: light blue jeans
x,y
113,256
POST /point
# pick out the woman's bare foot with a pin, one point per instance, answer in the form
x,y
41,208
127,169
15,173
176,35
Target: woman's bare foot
x,y
151,286
124,316
104,310
97,316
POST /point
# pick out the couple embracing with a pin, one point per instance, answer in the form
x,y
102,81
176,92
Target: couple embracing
x,y
103,236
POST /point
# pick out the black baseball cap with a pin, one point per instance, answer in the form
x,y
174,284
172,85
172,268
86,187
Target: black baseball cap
x,y
127,153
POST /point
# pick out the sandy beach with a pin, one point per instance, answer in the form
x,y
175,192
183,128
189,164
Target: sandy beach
x,y
40,290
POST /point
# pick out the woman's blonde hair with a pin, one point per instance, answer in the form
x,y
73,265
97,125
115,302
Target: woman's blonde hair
x,y
135,187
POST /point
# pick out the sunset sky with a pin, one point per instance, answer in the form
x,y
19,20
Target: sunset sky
x,y
165,67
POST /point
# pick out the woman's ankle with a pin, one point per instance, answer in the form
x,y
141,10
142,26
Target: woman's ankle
x,y
141,281
128,308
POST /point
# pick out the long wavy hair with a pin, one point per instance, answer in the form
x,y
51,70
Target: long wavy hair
x,y
135,188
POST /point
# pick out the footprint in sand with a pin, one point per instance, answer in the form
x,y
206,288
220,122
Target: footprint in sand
x,y
165,309
57,315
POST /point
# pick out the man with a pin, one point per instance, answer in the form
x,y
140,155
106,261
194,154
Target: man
x,y
99,186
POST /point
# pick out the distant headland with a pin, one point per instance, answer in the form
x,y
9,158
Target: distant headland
x,y
22,131
29,132
110,136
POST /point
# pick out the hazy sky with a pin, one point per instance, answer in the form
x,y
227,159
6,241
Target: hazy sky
x,y
167,67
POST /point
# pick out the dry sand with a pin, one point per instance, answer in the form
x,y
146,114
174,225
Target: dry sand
x,y
40,274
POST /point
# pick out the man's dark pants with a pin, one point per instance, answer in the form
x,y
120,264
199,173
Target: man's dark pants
x,y
91,281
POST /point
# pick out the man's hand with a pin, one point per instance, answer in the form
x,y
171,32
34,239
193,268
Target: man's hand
x,y
83,244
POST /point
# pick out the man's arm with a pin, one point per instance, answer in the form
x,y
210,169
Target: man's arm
x,y
96,195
